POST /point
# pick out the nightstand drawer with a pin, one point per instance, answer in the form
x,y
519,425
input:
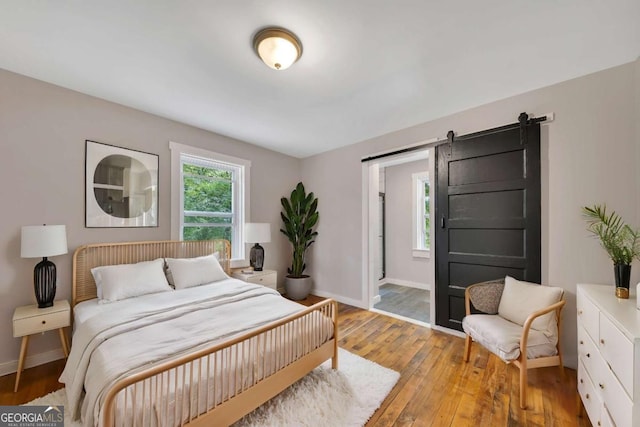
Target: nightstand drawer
x,y
268,280
35,324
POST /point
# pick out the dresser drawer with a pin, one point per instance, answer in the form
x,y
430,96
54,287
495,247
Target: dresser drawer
x,y
36,324
590,400
268,280
617,350
618,404
588,316
589,355
605,418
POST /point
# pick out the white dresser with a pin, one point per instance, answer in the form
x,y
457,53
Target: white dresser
x,y
608,356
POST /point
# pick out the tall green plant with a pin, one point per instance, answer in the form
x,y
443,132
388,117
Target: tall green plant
x,y
621,242
299,216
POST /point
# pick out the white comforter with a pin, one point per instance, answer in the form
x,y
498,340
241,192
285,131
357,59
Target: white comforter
x,y
137,332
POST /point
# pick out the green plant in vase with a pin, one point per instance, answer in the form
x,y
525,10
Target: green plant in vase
x,y
299,217
619,240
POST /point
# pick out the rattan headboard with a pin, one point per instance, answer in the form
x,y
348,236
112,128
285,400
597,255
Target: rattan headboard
x,y
89,256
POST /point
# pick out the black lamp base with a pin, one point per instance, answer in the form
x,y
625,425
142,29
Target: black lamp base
x,y
44,283
256,257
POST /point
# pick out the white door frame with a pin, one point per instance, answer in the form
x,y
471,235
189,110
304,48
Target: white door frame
x,y
370,221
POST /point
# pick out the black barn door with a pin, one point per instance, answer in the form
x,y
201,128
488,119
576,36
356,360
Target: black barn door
x,y
487,213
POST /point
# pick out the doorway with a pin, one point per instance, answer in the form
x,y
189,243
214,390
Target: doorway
x,y
399,280
486,216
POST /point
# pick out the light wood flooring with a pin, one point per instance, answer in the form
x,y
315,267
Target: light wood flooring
x,y
436,388
405,301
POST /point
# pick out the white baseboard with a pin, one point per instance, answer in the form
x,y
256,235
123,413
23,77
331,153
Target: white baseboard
x,y
408,283
31,361
340,298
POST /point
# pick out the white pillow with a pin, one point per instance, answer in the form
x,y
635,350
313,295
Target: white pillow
x,y
520,299
116,282
189,272
169,274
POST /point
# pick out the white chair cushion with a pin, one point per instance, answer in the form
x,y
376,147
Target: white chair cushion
x,y
520,299
502,337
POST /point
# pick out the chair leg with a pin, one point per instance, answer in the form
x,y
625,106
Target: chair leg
x,y
467,348
560,362
523,385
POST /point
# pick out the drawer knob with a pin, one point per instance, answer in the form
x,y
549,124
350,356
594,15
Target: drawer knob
x,y
602,341
579,311
601,385
581,381
581,342
587,396
599,423
588,354
44,322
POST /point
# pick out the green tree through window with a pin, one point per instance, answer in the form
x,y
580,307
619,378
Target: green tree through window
x,y
208,202
210,192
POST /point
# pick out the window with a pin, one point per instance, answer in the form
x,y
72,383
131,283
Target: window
x,y
421,215
209,196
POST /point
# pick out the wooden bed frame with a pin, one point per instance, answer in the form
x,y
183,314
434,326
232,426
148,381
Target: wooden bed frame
x,y
150,382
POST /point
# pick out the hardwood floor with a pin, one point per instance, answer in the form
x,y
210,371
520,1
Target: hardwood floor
x,y
405,301
436,388
34,382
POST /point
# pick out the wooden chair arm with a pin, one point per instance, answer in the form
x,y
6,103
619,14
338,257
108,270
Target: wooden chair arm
x,y
533,316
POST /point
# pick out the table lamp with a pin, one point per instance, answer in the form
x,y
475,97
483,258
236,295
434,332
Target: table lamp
x,y
44,241
257,232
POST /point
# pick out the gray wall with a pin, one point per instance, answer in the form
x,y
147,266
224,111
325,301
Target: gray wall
x,y
42,133
589,155
402,267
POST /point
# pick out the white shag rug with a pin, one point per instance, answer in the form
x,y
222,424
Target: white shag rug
x,y
346,397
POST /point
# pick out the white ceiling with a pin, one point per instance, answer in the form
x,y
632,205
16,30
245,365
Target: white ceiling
x,y
369,67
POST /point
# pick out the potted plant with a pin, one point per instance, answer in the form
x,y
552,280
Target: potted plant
x,y
299,216
621,242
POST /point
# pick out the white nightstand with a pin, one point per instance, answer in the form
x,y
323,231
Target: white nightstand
x,y
30,319
268,278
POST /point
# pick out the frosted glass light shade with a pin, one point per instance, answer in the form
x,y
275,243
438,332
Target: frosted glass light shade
x,y
257,232
43,241
277,47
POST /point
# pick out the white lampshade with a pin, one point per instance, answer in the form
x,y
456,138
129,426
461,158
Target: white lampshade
x,y
43,241
257,232
277,47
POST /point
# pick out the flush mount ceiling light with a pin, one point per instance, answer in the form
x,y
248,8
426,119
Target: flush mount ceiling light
x,y
277,47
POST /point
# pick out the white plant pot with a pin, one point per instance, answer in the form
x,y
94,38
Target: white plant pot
x,y
297,288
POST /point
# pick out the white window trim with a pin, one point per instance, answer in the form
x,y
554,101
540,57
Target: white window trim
x,y
177,197
417,250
